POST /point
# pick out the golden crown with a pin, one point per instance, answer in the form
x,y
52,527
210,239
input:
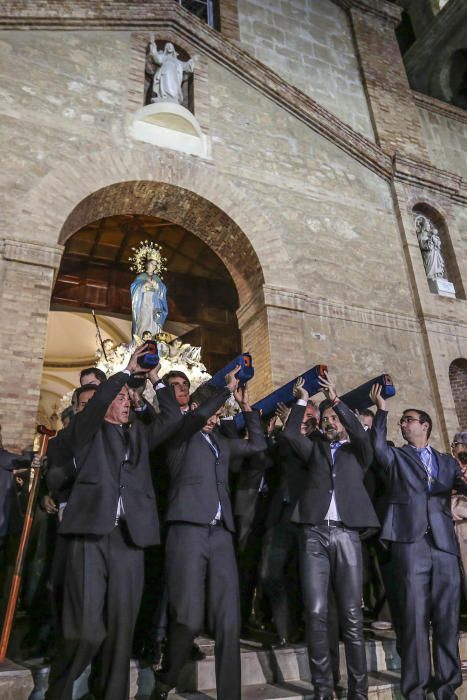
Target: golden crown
x,y
143,253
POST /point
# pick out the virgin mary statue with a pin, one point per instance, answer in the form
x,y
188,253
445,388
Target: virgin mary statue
x,y
148,292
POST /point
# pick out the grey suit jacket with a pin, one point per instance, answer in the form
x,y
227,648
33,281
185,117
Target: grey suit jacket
x,y
412,509
198,480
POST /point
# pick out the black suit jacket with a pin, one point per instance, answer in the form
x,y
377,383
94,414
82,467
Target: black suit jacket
x,y
290,482
102,475
345,476
411,507
10,516
199,481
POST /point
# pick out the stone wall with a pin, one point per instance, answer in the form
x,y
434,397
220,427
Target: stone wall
x,y
337,275
446,136
310,44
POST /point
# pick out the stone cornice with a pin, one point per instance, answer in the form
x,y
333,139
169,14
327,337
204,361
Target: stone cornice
x,y
427,176
431,104
303,302
31,253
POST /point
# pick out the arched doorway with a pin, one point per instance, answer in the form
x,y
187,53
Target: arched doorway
x,y
212,269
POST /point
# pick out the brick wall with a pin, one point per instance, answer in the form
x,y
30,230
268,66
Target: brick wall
x,y
458,379
395,116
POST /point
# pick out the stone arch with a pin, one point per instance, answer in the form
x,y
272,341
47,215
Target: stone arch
x,y
458,381
181,207
439,219
239,232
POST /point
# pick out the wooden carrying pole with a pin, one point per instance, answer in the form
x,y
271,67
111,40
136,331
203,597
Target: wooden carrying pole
x,y
45,434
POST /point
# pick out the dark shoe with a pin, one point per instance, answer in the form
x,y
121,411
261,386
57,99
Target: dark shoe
x,y
151,654
161,691
281,644
196,654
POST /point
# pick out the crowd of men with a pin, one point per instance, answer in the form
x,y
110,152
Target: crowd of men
x,y
173,522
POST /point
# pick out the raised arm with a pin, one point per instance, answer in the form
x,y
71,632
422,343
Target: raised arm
x,y
86,423
384,454
300,444
358,436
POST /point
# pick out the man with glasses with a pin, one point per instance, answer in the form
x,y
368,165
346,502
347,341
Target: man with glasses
x,y
425,552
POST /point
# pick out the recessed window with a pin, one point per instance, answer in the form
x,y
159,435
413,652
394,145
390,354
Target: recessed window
x,y
204,9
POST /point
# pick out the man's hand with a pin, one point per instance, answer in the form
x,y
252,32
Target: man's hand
x,y
241,396
282,412
133,365
271,425
299,390
231,381
135,398
154,374
48,505
375,396
328,387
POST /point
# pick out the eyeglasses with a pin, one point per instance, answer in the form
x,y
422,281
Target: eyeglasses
x,y
409,419
454,444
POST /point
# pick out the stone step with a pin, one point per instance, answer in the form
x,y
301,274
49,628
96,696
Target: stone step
x,y
382,686
269,666
16,682
274,670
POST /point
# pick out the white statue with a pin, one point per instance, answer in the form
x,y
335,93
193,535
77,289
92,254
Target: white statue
x,y
170,73
430,245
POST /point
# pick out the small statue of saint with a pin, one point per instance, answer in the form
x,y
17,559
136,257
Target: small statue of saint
x,y
148,292
430,246
169,74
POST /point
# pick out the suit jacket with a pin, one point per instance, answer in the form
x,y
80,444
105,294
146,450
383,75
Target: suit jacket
x,y
103,475
10,516
290,481
61,471
411,507
344,477
198,480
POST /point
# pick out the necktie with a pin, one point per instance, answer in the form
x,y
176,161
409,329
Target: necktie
x,y
335,444
212,444
425,458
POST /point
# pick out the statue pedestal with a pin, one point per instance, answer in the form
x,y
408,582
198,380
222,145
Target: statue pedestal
x,y
169,125
442,287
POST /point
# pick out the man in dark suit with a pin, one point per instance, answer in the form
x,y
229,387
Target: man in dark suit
x,y
281,540
109,517
333,507
201,570
425,553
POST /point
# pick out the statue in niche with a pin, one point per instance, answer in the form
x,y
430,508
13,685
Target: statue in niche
x,y
148,292
430,245
169,74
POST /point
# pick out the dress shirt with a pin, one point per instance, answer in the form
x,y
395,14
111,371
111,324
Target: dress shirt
x,y
429,461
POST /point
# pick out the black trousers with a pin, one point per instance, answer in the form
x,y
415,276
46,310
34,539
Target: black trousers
x,y
102,592
201,577
333,556
280,552
430,587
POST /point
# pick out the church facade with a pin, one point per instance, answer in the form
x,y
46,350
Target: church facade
x,y
302,164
